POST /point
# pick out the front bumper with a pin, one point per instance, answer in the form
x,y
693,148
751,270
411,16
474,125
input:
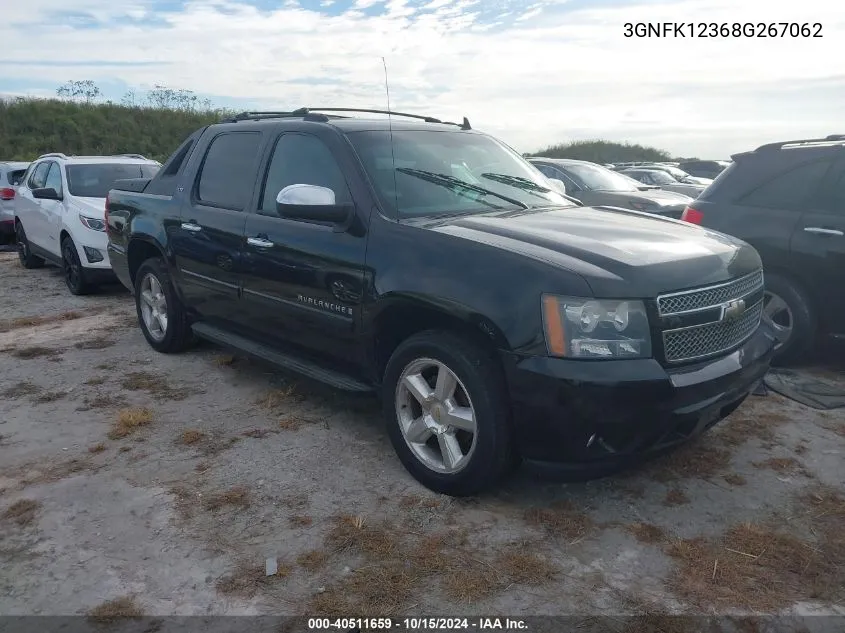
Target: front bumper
x,y
584,414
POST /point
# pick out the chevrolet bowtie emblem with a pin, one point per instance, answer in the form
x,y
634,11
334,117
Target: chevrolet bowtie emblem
x,y
733,309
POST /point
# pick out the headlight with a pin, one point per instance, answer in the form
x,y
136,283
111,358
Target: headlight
x,y
596,328
92,223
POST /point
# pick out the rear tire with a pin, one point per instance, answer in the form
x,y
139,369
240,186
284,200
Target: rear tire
x,y
72,269
161,315
445,458
27,259
790,312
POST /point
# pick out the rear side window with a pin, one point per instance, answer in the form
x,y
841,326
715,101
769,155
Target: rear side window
x,y
228,171
789,190
39,176
16,176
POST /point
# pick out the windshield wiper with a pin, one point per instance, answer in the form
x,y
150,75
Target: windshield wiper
x,y
456,183
517,181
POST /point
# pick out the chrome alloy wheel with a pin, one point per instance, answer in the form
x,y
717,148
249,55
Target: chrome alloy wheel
x,y
776,312
436,416
153,304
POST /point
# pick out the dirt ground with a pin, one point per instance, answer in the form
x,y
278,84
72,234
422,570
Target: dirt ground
x,y
139,483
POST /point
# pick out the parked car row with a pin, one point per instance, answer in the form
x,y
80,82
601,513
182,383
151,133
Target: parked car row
x,y
504,309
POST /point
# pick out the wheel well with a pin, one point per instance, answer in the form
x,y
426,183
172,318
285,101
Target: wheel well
x,y
139,252
401,322
62,235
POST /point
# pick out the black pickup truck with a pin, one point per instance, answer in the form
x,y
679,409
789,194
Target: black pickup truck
x,y
431,264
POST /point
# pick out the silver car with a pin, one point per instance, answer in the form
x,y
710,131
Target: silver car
x,y
662,180
595,185
11,174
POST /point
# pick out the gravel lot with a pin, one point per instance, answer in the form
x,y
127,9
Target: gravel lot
x,y
138,482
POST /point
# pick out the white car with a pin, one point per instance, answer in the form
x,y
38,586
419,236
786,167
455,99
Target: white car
x,y
60,213
662,180
10,175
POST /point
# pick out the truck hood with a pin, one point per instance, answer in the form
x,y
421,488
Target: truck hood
x,y
619,253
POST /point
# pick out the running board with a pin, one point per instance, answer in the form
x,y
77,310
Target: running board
x,y
281,359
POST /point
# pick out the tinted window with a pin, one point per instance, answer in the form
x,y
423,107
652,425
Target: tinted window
x,y
789,190
94,180
54,178
423,173
660,178
228,172
596,178
16,176
39,176
302,159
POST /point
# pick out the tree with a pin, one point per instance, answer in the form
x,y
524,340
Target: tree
x,y
84,89
604,152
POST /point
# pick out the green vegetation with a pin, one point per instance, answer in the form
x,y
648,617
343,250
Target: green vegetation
x,y
604,152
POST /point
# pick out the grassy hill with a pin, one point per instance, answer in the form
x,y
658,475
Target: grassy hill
x,y
604,152
31,127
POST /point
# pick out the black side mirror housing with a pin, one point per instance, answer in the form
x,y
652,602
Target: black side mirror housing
x,y
46,193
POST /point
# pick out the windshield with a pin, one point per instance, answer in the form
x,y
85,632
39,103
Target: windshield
x,y
597,178
677,174
661,178
94,180
428,173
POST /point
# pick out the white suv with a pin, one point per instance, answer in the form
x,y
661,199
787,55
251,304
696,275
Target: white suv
x,y
60,213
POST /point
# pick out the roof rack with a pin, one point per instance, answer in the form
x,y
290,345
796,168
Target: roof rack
x,y
806,141
139,156
52,155
316,114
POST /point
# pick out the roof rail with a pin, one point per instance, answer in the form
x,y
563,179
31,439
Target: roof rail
x,y
52,155
314,113
806,141
139,156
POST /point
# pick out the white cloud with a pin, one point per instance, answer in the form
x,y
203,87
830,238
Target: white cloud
x,y
551,77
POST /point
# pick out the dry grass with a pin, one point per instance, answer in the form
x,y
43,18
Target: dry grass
x,y
247,580
6,325
313,560
49,396
238,496
408,502
129,421
296,502
277,399
561,519
353,534
96,381
295,422
191,436
103,401
202,467
22,512
21,389
675,497
748,423
525,567
124,449
224,360
382,588
117,609
735,479
647,533
300,521
257,433
783,465
97,448
99,342
34,351
154,385
693,461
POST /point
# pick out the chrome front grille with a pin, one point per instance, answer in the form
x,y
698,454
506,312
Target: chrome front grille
x,y
722,318
701,341
709,297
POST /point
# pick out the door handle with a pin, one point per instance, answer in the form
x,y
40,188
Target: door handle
x,y
259,242
820,231
190,226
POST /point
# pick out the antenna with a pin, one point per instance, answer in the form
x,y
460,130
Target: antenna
x,y
390,129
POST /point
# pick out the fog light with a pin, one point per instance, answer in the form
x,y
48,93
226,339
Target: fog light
x,y
92,254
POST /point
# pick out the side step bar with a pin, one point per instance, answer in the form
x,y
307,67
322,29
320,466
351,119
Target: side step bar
x,y
281,359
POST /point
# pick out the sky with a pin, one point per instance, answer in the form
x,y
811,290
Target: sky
x,y
532,72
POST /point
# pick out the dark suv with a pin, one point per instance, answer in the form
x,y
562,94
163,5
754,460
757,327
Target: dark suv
x,y
788,201
704,168
432,264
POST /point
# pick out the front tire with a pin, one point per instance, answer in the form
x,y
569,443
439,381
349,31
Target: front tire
x,y
788,310
447,413
72,269
25,256
160,313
